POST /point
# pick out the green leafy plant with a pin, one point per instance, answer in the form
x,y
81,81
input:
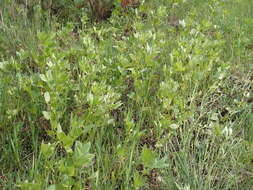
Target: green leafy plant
x,y
156,97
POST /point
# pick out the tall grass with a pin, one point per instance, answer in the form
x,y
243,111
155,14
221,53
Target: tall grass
x,y
158,97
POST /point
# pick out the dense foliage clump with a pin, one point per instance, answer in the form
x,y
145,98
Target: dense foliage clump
x,y
126,94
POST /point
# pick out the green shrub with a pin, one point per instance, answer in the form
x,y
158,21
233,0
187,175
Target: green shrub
x,y
158,97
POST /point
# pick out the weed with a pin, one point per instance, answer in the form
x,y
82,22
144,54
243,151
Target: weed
x,y
155,97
